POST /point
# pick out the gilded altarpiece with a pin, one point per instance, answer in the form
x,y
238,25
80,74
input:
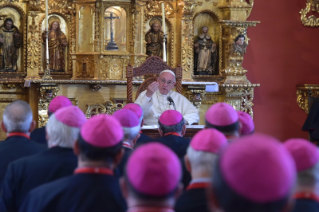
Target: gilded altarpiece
x,y
102,37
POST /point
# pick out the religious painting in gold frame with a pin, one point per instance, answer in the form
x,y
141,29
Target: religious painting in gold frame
x,y
168,27
122,24
64,29
211,21
18,17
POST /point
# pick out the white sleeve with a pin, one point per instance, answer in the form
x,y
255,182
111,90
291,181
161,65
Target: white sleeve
x,y
190,112
145,102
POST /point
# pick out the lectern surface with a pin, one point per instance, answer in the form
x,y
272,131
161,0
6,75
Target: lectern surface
x,y
152,130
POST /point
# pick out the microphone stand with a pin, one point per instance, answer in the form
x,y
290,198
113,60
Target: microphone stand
x,y
171,102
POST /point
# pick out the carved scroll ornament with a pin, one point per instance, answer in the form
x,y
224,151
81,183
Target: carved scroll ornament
x,y
312,20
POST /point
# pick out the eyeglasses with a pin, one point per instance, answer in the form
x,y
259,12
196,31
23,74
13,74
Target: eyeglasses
x,y
170,82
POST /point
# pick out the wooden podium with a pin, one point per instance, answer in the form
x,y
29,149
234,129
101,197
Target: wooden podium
x,y
152,130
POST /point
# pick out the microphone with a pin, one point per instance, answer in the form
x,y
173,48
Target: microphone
x,y
171,102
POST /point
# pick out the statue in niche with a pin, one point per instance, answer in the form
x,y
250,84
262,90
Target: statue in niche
x,y
205,54
239,46
10,42
154,38
57,43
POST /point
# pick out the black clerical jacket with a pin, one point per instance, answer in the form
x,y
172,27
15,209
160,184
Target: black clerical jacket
x,y
192,200
27,173
38,135
306,205
15,147
77,193
179,145
143,139
176,143
120,169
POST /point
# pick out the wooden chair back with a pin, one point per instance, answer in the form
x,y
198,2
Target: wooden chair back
x,y
151,67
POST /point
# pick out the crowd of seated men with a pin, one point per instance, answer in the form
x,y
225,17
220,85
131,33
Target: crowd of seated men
x,y
105,163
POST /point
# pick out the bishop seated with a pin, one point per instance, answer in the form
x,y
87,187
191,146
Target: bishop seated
x,y
159,97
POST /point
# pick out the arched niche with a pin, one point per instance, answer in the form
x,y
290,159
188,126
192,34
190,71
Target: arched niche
x,y
65,30
9,12
169,34
210,20
86,29
118,16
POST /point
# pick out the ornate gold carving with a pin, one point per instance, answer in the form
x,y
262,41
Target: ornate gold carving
x,y
247,101
34,49
72,39
187,46
233,71
154,8
97,27
189,6
59,6
46,93
8,1
85,67
8,86
312,20
304,92
240,96
95,87
109,107
195,95
113,67
244,24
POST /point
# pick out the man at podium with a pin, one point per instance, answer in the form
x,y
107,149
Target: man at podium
x,y
159,97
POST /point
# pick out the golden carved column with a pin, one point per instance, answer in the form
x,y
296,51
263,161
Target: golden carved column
x,y
46,92
33,47
187,42
233,71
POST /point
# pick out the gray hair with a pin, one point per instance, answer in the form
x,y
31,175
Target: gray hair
x,y
201,161
174,128
61,134
309,177
131,133
17,117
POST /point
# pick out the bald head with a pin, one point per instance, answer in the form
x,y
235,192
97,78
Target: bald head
x,y
17,117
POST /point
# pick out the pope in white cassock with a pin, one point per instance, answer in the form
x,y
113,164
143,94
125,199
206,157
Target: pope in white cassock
x,y
154,100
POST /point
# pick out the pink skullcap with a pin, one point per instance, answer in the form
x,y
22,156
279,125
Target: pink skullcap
x,y
127,118
135,108
59,102
221,114
170,117
305,154
209,140
153,169
71,116
247,123
259,168
102,131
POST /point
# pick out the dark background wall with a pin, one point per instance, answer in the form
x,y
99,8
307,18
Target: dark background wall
x,y
281,54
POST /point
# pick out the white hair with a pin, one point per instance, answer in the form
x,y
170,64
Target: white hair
x,y
201,161
309,177
167,71
61,134
17,117
131,132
